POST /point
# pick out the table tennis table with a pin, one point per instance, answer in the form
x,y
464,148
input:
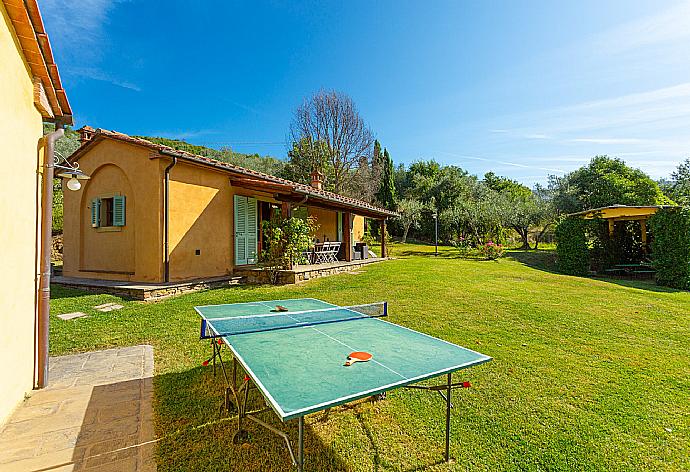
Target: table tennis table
x,y
293,352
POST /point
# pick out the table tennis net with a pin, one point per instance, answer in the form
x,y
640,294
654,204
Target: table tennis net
x,y
274,320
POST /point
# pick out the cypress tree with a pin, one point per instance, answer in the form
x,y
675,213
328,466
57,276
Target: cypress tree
x,y
386,193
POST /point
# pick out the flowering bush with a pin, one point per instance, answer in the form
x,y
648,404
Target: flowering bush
x,y
491,251
286,239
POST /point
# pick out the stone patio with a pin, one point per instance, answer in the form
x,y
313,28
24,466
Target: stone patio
x,y
96,414
145,291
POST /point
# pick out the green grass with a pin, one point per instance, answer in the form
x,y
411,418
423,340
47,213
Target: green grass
x,y
587,374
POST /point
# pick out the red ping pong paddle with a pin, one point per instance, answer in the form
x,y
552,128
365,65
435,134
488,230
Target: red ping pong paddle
x,y
281,308
358,356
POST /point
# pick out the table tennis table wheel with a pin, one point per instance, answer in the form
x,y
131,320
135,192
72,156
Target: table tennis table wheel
x,y
240,437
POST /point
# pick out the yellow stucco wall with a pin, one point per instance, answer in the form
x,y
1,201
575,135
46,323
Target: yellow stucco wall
x,y
200,219
328,224
19,206
133,252
357,228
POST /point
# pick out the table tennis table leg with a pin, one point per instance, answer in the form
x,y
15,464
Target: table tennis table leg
x,y
448,407
213,345
300,445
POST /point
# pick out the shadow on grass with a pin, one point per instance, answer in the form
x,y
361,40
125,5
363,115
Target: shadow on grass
x,y
536,259
446,254
196,435
545,260
641,284
58,292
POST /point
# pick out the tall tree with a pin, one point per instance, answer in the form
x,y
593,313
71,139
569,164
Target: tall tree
x,y
680,183
332,118
377,158
306,156
386,193
603,182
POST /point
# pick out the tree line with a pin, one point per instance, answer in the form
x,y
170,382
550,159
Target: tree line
x,y
328,134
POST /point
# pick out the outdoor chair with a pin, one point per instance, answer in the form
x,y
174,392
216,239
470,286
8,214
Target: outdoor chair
x,y
308,256
321,253
333,250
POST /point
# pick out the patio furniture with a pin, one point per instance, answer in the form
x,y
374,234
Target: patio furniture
x,y
326,252
362,249
320,255
309,255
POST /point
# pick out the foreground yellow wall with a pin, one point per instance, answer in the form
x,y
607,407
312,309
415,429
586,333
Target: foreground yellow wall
x,y
133,252
22,128
200,219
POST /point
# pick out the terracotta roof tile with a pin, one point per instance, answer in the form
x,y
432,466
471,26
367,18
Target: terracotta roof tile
x,y
296,186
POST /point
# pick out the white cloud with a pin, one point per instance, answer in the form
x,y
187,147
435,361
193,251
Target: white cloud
x,y
499,160
669,25
97,74
609,140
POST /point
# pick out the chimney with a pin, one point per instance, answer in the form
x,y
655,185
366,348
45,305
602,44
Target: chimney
x,y
85,134
317,179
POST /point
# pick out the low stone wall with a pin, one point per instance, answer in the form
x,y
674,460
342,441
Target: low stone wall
x,y
143,292
258,276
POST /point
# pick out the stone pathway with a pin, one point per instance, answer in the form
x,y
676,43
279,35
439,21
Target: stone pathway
x,y
95,415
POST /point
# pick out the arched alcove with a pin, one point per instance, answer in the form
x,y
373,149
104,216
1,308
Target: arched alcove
x,y
107,249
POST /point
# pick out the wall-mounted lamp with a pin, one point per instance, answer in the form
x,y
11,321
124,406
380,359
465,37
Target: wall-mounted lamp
x,y
70,170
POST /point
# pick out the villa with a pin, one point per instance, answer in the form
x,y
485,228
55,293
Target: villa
x,y
154,214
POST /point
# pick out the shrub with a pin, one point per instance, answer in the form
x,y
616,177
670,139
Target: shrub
x,y
671,246
491,251
571,248
286,241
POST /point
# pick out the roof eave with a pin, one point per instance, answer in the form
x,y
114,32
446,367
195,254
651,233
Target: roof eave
x,y
373,212
28,25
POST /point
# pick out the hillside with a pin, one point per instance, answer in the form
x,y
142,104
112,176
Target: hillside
x,y
268,164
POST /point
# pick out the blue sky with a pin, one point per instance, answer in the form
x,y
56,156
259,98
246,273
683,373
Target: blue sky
x,y
525,89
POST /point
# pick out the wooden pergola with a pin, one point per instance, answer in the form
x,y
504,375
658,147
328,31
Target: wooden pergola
x,y
615,213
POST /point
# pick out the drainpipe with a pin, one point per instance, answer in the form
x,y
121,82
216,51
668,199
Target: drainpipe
x,y
166,225
43,328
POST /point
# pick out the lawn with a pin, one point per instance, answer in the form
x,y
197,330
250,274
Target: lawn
x,y
587,374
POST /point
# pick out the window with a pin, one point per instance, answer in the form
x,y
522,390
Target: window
x,y
108,211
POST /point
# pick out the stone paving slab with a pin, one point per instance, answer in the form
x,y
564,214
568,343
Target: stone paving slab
x,y
94,416
71,316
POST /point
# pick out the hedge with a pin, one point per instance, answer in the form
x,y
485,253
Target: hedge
x,y
670,229
571,246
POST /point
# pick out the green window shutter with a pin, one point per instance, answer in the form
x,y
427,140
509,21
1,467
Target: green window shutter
x,y
252,228
95,212
240,218
119,210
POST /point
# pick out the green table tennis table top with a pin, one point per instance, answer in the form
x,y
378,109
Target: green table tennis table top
x,y
301,370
